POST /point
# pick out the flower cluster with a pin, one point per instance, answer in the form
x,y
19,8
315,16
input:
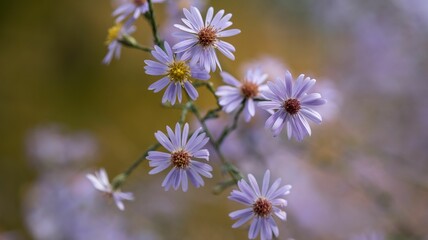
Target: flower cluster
x,y
187,65
193,56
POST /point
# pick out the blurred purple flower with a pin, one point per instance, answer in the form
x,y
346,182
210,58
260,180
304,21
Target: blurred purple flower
x,y
230,97
182,152
176,6
178,73
116,33
50,145
174,13
199,39
262,205
372,235
289,105
132,7
64,205
270,65
101,183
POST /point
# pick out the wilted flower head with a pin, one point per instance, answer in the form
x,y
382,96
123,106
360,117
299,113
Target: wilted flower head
x,y
115,34
231,97
133,8
290,105
262,204
183,151
200,39
177,73
101,183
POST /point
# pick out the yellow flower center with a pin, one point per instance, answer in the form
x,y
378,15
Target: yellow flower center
x,y
179,71
113,33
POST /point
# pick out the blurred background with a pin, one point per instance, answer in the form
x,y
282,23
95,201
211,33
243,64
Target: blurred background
x,y
362,175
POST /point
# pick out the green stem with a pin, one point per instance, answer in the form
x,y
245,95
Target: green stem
x,y
121,178
151,17
135,45
213,113
230,129
229,167
184,111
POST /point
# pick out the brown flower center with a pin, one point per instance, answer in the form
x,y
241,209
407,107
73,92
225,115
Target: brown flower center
x,y
249,89
180,159
292,106
207,36
262,207
139,2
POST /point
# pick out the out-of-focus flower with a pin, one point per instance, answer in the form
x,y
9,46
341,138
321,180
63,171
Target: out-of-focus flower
x,y
331,92
369,236
132,7
174,11
233,96
261,204
270,65
101,183
199,39
177,73
51,146
182,153
115,34
64,205
11,235
290,105
175,6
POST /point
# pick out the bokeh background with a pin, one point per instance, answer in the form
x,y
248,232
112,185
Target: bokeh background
x,y
362,175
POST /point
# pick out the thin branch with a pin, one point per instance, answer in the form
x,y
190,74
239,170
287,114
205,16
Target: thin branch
x,y
230,129
184,111
229,167
120,179
135,45
151,17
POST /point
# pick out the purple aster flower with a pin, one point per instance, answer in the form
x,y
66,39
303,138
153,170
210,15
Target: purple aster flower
x,y
369,236
262,205
101,183
199,39
177,73
181,157
132,7
290,105
116,33
233,96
